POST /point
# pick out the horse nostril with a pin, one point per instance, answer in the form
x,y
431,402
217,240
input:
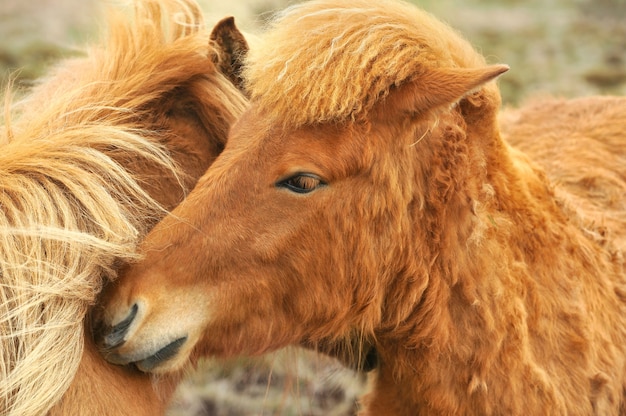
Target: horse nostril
x,y
115,337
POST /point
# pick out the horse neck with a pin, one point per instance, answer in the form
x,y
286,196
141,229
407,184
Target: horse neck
x,y
484,229
478,196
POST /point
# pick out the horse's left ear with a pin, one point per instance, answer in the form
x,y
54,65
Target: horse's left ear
x,y
437,87
231,47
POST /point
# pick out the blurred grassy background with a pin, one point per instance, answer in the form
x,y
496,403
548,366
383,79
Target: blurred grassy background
x,y
560,47
564,47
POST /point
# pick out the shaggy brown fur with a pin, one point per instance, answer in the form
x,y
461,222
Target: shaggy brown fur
x,y
90,160
580,145
368,192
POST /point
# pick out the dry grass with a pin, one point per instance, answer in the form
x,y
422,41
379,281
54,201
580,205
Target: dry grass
x,y
560,47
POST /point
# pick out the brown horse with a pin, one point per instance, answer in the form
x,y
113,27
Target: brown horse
x,y
368,193
91,159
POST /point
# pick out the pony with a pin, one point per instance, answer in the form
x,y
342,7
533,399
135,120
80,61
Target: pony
x,y
371,192
91,159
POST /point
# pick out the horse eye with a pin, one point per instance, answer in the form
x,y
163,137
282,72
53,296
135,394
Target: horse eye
x,y
302,183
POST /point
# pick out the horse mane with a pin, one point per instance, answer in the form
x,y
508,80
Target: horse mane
x,y
70,208
374,54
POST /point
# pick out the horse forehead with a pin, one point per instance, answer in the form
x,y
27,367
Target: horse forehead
x,y
333,149
255,128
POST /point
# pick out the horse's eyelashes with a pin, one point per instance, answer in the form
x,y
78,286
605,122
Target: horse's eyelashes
x,y
301,183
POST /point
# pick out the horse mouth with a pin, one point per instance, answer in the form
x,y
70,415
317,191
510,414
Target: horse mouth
x,y
151,362
164,354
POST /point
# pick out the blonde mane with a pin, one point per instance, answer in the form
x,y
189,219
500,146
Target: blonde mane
x,y
71,209
367,57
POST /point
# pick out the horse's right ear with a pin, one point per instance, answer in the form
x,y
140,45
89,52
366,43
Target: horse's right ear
x,y
436,87
231,47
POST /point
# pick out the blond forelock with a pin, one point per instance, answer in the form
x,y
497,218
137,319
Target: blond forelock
x,y
332,60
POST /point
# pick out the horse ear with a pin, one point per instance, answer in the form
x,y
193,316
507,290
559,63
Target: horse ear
x,y
231,47
437,87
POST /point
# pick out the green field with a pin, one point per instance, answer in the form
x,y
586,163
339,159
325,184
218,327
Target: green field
x,y
560,47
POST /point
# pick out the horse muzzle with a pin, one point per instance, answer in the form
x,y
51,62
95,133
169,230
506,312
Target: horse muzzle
x,y
121,344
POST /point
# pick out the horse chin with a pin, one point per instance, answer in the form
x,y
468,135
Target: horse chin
x,y
168,359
